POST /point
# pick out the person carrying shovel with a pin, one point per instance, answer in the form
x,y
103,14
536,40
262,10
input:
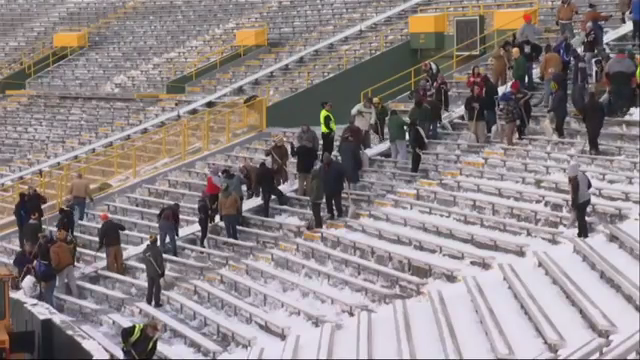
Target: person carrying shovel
x,y
154,265
139,341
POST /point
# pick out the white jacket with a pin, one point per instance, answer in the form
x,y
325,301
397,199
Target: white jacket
x,y
364,117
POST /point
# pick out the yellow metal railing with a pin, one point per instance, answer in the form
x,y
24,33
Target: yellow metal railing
x,y
143,155
31,69
213,59
45,46
379,90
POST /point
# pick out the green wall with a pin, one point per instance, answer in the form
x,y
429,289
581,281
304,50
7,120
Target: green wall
x,y
343,89
17,80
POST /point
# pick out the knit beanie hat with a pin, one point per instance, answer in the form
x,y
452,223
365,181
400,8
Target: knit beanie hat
x,y
572,170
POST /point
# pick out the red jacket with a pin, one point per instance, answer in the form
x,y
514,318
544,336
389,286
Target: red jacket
x,y
212,187
474,80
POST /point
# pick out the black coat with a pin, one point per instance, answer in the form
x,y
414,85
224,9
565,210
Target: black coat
x,y
34,203
559,104
21,213
22,260
416,138
351,160
109,234
153,260
333,176
66,221
471,111
32,231
203,211
490,95
265,179
306,158
593,115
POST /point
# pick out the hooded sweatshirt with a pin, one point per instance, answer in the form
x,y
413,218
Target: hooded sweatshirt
x,y
529,32
363,116
579,185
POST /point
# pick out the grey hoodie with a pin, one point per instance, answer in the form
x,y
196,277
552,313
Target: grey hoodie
x,y
529,32
235,184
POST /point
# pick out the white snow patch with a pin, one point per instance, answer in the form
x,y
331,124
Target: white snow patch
x,y
616,256
294,220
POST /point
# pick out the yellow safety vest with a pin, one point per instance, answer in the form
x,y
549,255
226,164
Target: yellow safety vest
x,y
638,75
332,125
137,331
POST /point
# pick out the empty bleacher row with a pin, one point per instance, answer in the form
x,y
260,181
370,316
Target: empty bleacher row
x,y
138,51
39,128
26,26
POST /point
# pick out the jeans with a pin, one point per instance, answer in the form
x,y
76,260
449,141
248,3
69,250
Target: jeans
x,y
432,130
635,35
213,207
304,180
266,201
399,149
560,126
416,158
588,58
231,226
366,139
490,117
567,28
332,200
47,291
167,228
204,230
593,133
581,218
154,288
79,204
317,216
547,92
67,276
530,75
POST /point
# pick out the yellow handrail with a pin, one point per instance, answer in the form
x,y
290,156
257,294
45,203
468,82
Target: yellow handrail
x,y
218,56
472,6
451,52
44,46
145,154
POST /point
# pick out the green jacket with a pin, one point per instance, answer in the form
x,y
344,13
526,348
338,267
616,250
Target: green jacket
x,y
520,68
397,128
421,115
316,189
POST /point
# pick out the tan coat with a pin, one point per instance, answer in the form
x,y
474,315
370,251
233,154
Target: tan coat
x,y
80,188
61,255
624,5
566,12
501,61
551,63
228,204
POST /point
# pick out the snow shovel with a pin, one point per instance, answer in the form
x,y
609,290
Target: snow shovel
x,y
468,136
546,126
351,214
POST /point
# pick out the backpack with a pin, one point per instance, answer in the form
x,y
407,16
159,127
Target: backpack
x,y
44,271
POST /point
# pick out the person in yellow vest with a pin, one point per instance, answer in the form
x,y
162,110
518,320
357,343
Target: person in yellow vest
x,y
328,126
139,341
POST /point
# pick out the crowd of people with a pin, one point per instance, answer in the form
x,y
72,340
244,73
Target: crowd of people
x,y
601,85
46,261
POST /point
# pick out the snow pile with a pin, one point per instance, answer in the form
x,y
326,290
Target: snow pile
x,y
633,114
293,220
632,226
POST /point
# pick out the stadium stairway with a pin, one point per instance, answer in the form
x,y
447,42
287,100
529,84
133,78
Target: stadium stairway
x,y
451,245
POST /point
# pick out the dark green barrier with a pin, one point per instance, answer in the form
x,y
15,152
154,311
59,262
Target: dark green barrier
x,y
18,79
343,89
179,84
